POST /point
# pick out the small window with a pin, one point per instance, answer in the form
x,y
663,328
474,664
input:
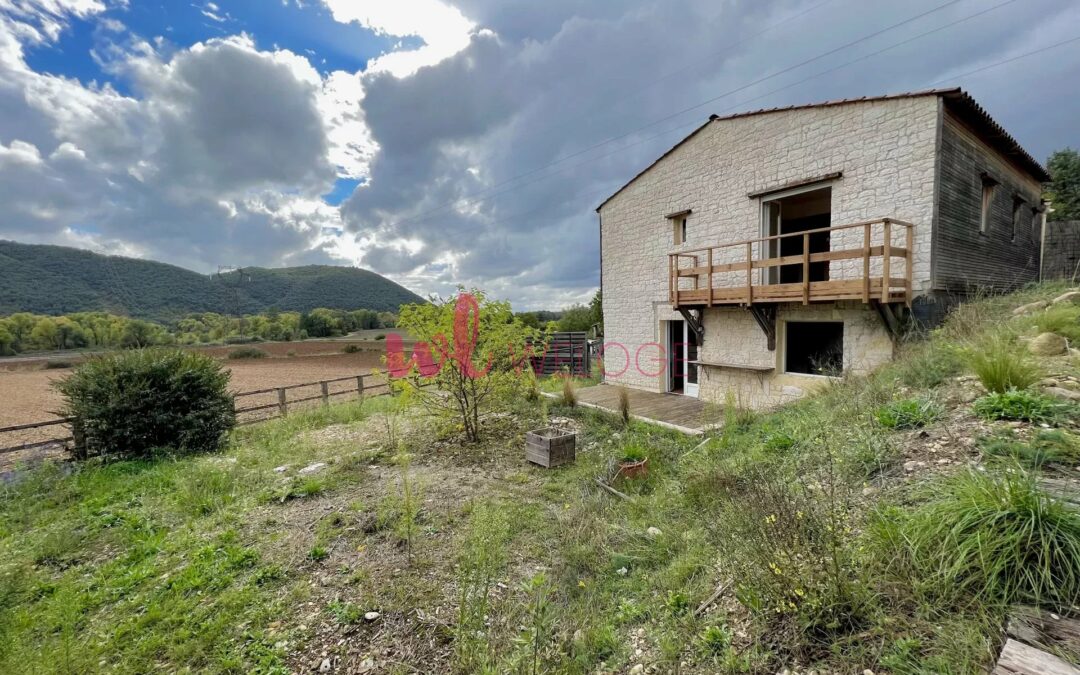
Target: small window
x,y
814,348
678,226
1017,214
988,186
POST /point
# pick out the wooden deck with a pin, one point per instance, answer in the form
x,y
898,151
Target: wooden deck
x,y
725,274
687,414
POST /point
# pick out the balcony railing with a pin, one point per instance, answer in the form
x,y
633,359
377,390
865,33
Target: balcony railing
x,y
865,261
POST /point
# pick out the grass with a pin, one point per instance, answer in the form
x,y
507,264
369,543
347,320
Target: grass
x,y
1001,364
998,538
477,562
1024,406
1052,447
911,413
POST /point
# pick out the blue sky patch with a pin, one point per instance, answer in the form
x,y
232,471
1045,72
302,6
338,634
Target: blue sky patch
x,y
309,31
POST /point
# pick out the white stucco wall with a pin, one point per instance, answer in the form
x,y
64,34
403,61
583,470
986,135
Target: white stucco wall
x,y
886,151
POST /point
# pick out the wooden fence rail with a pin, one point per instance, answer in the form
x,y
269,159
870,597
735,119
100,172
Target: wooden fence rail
x,y
360,385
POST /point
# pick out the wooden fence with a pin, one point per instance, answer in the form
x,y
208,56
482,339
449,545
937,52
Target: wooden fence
x,y
251,407
567,352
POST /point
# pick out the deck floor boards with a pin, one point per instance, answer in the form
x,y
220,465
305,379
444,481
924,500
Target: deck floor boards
x,y
682,411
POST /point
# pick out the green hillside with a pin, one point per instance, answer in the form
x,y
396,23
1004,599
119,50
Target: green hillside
x,y
59,280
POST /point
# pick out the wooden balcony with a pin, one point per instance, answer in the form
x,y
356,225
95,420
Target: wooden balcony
x,y
867,261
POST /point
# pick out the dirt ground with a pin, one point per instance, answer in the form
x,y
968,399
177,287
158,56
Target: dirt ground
x,y
28,396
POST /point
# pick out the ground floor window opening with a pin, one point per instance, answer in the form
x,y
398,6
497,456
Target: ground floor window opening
x,y
814,348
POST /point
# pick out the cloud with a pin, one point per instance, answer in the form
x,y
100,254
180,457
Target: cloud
x,y
480,155
443,28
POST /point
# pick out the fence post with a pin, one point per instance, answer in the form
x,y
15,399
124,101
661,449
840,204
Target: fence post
x,y
283,407
360,387
325,392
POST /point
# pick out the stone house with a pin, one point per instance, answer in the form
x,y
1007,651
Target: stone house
x,y
770,251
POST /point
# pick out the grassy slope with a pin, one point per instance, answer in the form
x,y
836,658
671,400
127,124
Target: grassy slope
x,y
811,519
60,280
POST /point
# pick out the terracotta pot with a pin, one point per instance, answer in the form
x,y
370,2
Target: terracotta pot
x,y
634,470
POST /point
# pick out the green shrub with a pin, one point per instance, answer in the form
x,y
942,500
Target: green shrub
x,y
380,336
1022,405
1001,365
352,348
129,403
1049,446
247,353
998,538
238,340
911,413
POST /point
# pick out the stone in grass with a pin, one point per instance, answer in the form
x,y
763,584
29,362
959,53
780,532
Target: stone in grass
x,y
1071,297
1061,392
312,469
1048,344
371,616
325,666
654,532
1030,308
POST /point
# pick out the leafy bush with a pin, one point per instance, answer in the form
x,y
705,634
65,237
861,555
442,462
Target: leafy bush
x,y
1049,446
351,348
1022,405
129,403
247,353
1001,365
912,413
998,538
242,340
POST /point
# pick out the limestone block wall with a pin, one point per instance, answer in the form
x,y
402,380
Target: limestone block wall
x,y
886,151
733,337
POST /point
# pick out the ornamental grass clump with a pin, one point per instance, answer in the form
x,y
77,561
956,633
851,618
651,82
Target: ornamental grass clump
x,y
1001,364
133,403
998,538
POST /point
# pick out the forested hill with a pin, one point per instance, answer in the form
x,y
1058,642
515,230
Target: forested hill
x,y
60,280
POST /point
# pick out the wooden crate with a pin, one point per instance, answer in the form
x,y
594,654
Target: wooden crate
x,y
550,447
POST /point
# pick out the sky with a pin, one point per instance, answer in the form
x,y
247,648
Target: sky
x,y
446,143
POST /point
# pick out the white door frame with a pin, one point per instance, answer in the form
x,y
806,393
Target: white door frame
x,y
689,388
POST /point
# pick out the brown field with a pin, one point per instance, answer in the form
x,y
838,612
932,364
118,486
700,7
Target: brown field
x,y
28,396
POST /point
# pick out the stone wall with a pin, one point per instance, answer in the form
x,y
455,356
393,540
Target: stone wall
x,y
733,338
1061,253
886,151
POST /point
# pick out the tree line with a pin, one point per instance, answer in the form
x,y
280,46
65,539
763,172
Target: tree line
x,y
25,332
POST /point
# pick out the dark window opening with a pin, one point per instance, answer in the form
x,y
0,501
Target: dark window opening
x,y
802,212
815,348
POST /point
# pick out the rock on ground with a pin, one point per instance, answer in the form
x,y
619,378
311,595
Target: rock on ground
x,y
1072,297
1048,344
312,468
1030,308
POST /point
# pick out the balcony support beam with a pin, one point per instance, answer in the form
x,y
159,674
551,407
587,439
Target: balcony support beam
x,y
695,322
765,315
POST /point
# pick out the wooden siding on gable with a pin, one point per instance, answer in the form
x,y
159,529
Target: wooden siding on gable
x,y
966,258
